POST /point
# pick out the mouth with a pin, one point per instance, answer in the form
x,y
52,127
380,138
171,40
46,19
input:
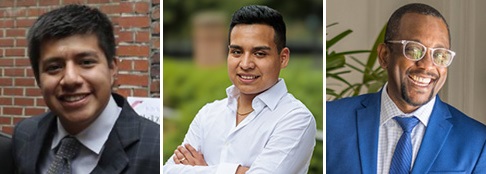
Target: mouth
x,y
421,81
72,98
248,77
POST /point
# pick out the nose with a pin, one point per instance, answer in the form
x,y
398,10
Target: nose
x,y
246,62
427,61
71,76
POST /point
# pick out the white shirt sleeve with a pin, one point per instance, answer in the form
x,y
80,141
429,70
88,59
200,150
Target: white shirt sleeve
x,y
290,147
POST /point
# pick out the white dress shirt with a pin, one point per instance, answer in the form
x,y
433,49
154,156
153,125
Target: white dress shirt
x,y
92,139
277,137
390,131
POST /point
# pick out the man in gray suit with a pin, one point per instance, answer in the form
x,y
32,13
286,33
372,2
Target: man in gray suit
x,y
89,129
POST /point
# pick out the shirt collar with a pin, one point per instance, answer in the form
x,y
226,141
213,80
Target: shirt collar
x,y
270,97
389,109
95,135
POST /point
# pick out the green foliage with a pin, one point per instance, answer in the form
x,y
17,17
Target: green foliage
x,y
188,88
373,77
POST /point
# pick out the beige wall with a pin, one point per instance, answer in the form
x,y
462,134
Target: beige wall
x,y
466,85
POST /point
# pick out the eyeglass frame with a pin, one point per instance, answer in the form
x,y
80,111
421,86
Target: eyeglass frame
x,y
405,42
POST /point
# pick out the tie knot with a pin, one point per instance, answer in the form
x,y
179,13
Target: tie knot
x,y
407,123
69,147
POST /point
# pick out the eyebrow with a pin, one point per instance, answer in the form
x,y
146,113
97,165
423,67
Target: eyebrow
x,y
76,56
257,48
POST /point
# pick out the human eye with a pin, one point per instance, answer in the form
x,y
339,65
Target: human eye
x,y
52,68
442,57
414,51
260,54
235,52
87,62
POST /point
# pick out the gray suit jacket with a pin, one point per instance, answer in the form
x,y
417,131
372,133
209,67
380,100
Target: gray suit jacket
x,y
133,145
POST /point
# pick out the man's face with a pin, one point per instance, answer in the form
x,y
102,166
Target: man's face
x,y
254,62
412,84
75,79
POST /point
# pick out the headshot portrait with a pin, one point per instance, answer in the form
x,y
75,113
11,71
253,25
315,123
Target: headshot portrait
x,y
402,88
231,68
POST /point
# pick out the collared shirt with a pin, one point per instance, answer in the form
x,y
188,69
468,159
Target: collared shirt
x,y
390,131
277,137
92,139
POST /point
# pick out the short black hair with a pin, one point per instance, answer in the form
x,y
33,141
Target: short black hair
x,y
68,21
393,24
259,14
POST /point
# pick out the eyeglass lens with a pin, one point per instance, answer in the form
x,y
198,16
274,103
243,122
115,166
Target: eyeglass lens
x,y
416,51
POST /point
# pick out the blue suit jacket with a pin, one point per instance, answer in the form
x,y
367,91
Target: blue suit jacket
x,y
452,143
133,145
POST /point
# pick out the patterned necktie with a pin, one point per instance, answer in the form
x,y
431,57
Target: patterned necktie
x,y
62,161
402,158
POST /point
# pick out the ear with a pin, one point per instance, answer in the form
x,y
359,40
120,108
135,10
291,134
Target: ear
x,y
114,70
383,55
284,57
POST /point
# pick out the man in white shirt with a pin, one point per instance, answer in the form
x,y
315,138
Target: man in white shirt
x,y
259,127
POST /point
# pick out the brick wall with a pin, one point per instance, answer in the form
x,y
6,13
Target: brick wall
x,y
137,30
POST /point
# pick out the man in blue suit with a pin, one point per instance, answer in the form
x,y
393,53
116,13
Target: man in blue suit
x,y
406,126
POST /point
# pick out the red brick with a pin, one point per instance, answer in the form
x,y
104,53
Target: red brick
x,y
125,65
134,21
40,102
124,92
125,36
5,120
155,27
36,12
24,101
142,36
25,23
16,32
21,43
7,3
15,72
6,23
155,71
140,93
74,2
26,3
22,62
155,43
126,7
155,1
18,119
155,59
142,7
15,52
12,111
98,1
6,42
155,86
6,62
124,50
34,92
13,91
141,65
8,129
24,82
110,9
155,13
49,2
34,111
4,101
132,79
6,81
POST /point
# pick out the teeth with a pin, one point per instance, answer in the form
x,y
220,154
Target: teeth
x,y
421,79
248,77
73,98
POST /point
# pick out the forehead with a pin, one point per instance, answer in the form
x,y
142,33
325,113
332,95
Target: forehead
x,y
252,33
427,29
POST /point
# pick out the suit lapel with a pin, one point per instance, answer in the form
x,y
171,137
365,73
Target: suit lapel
x,y
434,138
114,158
368,122
41,141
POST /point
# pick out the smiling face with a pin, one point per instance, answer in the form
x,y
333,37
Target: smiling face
x,y
412,84
254,63
75,80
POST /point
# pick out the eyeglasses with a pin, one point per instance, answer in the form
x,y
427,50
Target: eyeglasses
x,y
415,51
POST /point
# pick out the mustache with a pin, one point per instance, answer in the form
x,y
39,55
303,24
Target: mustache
x,y
423,72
